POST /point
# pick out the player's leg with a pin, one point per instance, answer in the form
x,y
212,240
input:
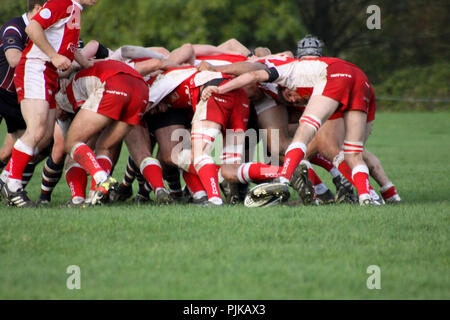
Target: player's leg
x,y
85,125
139,146
329,141
318,110
36,115
53,167
169,138
203,135
275,121
355,123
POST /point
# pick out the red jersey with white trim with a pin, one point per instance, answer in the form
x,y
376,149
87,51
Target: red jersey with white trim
x,y
61,21
187,94
175,79
88,80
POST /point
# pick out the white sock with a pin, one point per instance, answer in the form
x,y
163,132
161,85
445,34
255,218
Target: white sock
x,y
320,189
216,200
198,195
335,172
14,184
100,177
78,200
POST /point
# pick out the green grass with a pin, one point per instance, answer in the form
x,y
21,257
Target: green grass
x,y
185,252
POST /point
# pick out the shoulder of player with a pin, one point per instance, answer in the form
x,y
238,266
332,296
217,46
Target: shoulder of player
x,y
14,25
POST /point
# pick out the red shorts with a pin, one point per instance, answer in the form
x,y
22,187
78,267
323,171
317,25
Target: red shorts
x,y
230,110
370,113
124,98
348,85
36,79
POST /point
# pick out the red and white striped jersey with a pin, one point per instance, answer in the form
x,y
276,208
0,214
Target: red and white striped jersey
x,y
89,83
61,21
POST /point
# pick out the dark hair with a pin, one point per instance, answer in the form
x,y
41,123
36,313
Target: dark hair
x,y
32,3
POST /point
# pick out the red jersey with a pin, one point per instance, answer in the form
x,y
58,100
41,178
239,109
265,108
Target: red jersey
x,y
91,79
61,21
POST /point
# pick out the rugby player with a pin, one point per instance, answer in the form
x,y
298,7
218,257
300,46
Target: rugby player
x,y
54,34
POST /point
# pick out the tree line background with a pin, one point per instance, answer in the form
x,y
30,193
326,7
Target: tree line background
x,y
406,59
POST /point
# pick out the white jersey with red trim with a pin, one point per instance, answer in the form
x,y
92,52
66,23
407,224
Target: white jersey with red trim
x,y
61,21
167,82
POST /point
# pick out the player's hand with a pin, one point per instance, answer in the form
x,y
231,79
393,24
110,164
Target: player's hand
x,y
208,91
205,66
61,62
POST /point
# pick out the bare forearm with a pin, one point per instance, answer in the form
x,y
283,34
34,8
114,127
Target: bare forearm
x,y
244,80
239,68
13,56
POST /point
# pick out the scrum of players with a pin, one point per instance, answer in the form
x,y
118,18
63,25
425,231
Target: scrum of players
x,y
74,106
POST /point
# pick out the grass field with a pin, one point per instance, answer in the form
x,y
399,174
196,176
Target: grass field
x,y
185,252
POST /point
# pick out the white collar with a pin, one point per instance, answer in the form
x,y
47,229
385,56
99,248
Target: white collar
x,y
77,4
25,18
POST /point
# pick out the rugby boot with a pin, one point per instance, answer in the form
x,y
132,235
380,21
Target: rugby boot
x,y
301,183
163,197
17,199
122,193
344,190
103,190
325,198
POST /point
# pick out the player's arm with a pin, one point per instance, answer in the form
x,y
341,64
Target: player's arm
x,y
240,68
13,56
82,60
13,46
241,81
36,34
149,66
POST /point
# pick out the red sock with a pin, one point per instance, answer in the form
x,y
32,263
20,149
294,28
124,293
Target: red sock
x,y
152,172
193,182
319,160
208,175
256,172
106,165
361,179
315,180
76,178
21,155
294,155
346,171
389,193
86,158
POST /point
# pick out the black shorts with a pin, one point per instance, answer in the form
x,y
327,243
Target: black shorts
x,y
10,111
171,117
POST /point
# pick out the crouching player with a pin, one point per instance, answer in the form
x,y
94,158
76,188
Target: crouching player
x,y
110,98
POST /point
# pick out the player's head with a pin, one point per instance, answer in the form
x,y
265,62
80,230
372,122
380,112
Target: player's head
x,y
309,46
35,5
290,97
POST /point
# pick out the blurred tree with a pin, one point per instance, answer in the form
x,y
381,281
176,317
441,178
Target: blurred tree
x,y
10,9
413,32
